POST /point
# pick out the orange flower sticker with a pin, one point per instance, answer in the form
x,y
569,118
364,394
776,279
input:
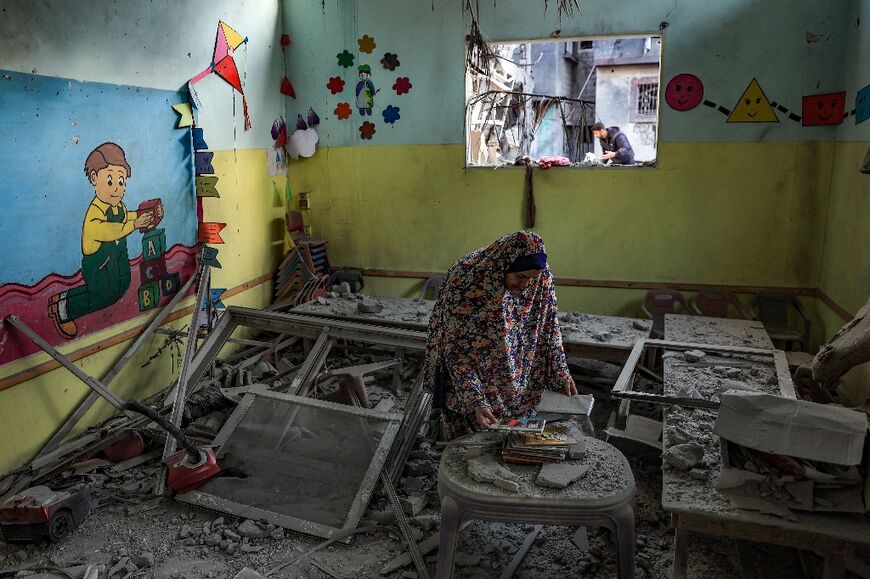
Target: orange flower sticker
x,y
366,44
342,111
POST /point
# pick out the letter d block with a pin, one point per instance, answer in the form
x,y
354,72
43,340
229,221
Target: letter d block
x,y
170,284
149,296
153,244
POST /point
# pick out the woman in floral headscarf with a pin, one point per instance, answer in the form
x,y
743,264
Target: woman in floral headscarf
x,y
494,339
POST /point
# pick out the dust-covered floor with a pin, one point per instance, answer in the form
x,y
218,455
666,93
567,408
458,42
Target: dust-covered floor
x,y
133,534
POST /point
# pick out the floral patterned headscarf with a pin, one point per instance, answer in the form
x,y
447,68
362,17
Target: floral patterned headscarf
x,y
500,348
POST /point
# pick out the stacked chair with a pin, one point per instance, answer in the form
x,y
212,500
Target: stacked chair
x,y
304,273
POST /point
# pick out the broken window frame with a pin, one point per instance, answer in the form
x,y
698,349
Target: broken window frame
x,y
361,498
624,387
484,133
298,324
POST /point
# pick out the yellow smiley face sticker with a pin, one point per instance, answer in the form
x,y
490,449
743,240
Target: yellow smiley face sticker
x,y
753,107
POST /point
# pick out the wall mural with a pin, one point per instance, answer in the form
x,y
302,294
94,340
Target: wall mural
x,y
685,91
99,221
366,96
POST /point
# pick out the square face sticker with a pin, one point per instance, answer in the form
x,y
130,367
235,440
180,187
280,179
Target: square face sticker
x,y
862,105
824,109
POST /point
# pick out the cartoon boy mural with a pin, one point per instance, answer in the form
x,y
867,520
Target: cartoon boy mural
x,y
107,223
365,91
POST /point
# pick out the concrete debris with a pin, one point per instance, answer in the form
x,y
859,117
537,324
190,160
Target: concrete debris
x,y
688,391
684,456
426,522
581,539
253,530
342,288
414,504
560,475
144,559
507,485
414,484
761,505
487,469
461,559
698,474
247,573
727,385
369,307
790,427
385,517
577,451
639,325
693,355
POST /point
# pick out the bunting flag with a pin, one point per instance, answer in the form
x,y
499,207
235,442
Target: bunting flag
x,y
206,186
209,232
209,257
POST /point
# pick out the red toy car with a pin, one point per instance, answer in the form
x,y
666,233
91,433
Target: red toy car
x,y
40,514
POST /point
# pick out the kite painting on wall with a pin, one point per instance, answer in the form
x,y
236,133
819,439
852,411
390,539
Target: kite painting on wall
x,y
227,62
99,215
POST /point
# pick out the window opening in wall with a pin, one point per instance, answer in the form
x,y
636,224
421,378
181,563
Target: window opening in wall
x,y
542,99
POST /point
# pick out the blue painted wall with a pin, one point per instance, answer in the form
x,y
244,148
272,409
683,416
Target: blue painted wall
x,y
48,126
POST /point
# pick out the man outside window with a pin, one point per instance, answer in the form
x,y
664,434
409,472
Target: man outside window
x,y
614,144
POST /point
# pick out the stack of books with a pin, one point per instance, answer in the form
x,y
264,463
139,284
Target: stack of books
x,y
551,445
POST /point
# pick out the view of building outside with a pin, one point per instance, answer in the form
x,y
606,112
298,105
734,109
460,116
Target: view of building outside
x,y
541,98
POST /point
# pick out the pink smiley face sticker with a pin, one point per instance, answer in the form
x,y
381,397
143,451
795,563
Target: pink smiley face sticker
x,y
684,92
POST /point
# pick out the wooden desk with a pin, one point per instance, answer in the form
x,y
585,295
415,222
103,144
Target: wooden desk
x,y
695,504
607,338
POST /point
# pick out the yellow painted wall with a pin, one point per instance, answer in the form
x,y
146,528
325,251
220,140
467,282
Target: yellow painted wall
x,y
713,213
252,203
845,268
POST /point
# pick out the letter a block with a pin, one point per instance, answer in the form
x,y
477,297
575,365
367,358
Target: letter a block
x,y
149,296
153,244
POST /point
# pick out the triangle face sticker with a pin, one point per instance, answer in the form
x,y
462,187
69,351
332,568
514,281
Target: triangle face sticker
x,y
753,107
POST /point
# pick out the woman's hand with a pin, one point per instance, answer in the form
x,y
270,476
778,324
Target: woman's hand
x,y
570,387
485,417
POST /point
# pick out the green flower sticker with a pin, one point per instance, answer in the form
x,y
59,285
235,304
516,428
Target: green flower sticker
x,y
345,59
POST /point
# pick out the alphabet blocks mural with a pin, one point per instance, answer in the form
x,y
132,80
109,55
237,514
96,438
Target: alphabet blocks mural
x,y
81,164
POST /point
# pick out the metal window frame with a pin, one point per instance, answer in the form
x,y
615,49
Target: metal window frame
x,y
363,494
624,387
298,324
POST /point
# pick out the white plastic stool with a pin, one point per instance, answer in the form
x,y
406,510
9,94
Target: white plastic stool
x,y
602,498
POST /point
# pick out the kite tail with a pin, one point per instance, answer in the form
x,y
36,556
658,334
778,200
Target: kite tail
x,y
245,110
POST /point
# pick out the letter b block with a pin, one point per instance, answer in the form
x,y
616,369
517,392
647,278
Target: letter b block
x,y
149,296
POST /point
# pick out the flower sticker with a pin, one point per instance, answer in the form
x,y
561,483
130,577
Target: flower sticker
x,y
390,61
402,85
345,59
335,84
342,111
366,130
391,114
366,44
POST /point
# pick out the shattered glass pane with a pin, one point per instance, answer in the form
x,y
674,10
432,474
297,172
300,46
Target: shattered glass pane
x,y
300,461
